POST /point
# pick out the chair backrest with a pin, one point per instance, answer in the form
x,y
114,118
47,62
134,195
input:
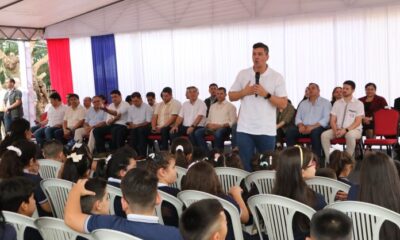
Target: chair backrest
x,y
170,199
55,229
108,234
367,218
327,187
19,222
230,177
191,196
56,191
180,172
112,193
277,213
49,168
264,180
386,122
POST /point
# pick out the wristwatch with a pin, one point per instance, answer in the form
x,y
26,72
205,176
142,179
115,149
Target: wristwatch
x,y
268,96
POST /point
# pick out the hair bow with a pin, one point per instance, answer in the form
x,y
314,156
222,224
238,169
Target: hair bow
x,y
15,149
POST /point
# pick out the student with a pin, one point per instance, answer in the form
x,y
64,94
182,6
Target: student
x,y
139,189
20,129
204,220
7,231
330,224
77,166
380,185
219,159
326,172
53,150
17,195
265,161
201,176
163,166
295,165
342,163
183,150
19,160
98,204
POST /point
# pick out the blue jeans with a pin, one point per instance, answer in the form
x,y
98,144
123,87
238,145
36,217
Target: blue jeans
x,y
292,134
46,133
219,136
248,143
182,132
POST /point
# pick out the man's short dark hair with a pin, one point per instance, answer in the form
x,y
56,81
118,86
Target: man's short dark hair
x,y
261,45
331,224
370,84
12,80
212,85
151,94
15,191
115,91
350,83
96,185
73,95
139,188
55,96
52,148
222,88
167,90
201,219
136,95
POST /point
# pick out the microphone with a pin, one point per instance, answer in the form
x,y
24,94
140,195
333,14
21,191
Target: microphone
x,y
257,80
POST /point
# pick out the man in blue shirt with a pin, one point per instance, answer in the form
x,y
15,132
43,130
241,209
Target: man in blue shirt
x,y
140,196
312,119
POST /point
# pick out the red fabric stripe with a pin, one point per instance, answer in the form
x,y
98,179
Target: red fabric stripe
x,y
60,66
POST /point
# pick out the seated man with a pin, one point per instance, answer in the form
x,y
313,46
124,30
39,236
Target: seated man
x,y
191,117
346,117
95,117
140,196
330,224
139,119
164,116
221,117
73,119
311,120
116,123
151,100
87,103
212,89
17,195
54,121
204,220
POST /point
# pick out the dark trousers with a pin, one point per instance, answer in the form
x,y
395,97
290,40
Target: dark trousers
x,y
118,133
164,138
8,119
292,134
138,139
182,132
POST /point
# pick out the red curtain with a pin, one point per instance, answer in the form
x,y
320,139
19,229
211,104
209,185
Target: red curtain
x,y
60,66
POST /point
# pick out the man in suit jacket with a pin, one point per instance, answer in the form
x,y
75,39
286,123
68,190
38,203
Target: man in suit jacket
x,y
13,103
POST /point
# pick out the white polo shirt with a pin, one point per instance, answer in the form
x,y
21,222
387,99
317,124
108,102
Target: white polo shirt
x,y
122,109
346,113
56,115
257,115
190,111
73,116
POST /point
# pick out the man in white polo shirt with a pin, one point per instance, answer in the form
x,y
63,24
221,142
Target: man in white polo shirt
x,y
259,99
345,121
191,117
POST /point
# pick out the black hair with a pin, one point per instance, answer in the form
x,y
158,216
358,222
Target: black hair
x,y
18,130
222,88
350,83
103,98
261,45
55,96
52,148
139,189
120,160
128,99
370,84
14,192
136,95
77,165
96,185
198,154
73,95
182,148
265,161
12,80
155,161
151,94
212,85
167,90
115,91
331,224
28,150
200,219
219,159
326,172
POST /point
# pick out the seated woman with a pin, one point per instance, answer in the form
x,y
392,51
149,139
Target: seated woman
x,y
201,176
342,163
336,94
380,185
182,148
284,119
372,103
294,166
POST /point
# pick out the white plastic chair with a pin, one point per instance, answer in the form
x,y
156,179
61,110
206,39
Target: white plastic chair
x,y
170,199
55,229
191,196
264,180
56,191
180,172
277,213
108,234
327,187
19,222
113,192
49,168
367,218
230,177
